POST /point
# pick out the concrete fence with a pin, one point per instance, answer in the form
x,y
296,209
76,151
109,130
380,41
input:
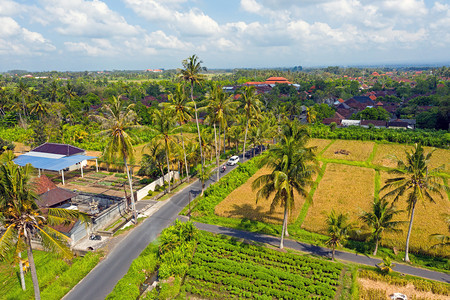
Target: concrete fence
x,y
160,181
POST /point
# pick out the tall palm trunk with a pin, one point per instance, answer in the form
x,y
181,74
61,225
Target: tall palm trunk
x,y
198,127
283,230
224,140
22,276
217,156
168,164
333,251
37,293
377,240
133,205
245,138
409,232
184,152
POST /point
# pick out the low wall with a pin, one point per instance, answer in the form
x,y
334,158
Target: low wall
x,y
151,187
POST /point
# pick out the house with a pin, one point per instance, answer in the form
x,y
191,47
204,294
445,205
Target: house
x,y
56,157
375,123
49,195
397,124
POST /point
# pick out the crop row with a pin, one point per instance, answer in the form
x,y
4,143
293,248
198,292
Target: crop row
x,y
259,255
252,270
237,285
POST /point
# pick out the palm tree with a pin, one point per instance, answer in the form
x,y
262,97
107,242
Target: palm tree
x,y
204,174
252,108
163,121
292,166
116,120
22,219
178,103
338,229
386,266
153,159
416,180
191,73
23,91
39,107
69,92
380,219
311,115
218,106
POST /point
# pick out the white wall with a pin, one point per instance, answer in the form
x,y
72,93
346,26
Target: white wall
x,y
151,187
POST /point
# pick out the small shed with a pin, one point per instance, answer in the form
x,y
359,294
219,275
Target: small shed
x,y
56,157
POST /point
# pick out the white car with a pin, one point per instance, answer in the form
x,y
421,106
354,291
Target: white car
x,y
233,160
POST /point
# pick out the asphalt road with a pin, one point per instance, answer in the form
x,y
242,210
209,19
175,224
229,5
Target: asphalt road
x,y
102,279
316,250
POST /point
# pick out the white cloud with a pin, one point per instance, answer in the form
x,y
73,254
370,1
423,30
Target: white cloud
x,y
405,7
251,6
159,39
88,19
98,47
196,23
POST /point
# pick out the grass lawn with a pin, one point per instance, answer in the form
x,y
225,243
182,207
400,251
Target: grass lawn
x,y
340,184
56,277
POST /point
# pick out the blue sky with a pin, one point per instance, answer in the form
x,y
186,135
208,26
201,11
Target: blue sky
x,y
78,35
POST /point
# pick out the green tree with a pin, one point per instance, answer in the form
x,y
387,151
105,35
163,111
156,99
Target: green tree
x,y
380,219
338,230
415,180
178,103
22,218
115,121
291,166
163,121
192,67
203,174
251,105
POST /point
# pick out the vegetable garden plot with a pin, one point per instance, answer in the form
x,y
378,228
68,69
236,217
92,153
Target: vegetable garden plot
x,y
225,269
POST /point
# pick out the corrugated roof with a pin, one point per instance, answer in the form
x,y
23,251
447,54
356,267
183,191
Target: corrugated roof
x,y
54,148
52,164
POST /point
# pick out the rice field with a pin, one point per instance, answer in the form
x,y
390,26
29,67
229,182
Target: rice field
x,y
349,150
241,203
428,219
320,144
346,189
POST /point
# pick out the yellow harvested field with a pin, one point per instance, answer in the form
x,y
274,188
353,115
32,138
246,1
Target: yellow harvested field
x,y
241,203
319,143
349,150
428,219
346,189
386,155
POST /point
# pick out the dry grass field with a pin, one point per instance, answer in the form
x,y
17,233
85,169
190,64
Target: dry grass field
x,y
319,143
386,153
428,219
346,189
241,203
354,150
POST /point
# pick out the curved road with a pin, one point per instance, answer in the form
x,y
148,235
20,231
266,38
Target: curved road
x,y
102,279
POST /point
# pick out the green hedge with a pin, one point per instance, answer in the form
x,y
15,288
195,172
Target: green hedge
x,y
141,267
433,138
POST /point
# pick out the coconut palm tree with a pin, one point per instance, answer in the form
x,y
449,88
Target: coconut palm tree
x,y
204,174
292,166
23,219
116,121
380,219
415,180
178,103
191,73
23,90
69,92
251,106
338,230
163,121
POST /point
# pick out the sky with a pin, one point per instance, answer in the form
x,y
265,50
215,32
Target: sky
x,y
81,35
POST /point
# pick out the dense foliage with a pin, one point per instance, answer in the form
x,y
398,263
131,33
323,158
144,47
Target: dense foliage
x,y
433,138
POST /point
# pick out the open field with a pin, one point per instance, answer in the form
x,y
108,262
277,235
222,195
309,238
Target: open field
x,y
349,150
349,189
320,144
346,189
428,219
241,203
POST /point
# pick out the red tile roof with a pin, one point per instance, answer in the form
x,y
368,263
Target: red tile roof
x,y
42,184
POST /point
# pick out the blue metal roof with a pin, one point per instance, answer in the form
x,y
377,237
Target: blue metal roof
x,y
52,164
